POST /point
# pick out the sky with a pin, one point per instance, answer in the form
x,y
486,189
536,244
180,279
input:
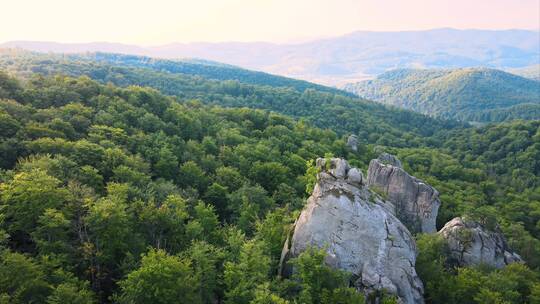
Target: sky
x,y
156,22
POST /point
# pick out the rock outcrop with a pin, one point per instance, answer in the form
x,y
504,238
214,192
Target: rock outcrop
x,y
352,142
389,159
359,232
472,244
416,202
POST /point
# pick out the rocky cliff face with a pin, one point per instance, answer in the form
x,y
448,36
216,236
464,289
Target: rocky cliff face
x,y
416,202
360,233
472,244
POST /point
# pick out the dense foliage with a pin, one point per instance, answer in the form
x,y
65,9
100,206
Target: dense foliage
x,y
343,114
103,174
469,285
482,95
125,195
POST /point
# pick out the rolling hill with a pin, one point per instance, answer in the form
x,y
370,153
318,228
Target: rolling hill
x,y
194,67
469,94
327,108
344,59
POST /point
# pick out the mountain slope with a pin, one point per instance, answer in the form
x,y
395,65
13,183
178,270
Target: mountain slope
x,y
194,67
206,69
375,123
347,58
532,71
471,94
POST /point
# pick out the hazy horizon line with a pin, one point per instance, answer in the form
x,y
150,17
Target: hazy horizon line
x,y
291,42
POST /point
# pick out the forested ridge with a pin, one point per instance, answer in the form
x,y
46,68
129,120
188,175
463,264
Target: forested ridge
x,y
468,94
335,111
193,67
126,195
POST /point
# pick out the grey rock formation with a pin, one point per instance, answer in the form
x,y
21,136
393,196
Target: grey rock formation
x,y
472,244
355,176
416,202
352,142
359,232
389,159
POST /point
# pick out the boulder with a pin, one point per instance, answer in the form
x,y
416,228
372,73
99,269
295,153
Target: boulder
x,y
337,168
416,202
352,142
355,176
359,232
471,244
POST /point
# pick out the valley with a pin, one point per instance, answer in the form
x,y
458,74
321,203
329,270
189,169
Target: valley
x,y
104,156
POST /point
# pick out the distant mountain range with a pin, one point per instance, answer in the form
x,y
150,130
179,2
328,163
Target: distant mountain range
x,y
532,71
468,94
349,58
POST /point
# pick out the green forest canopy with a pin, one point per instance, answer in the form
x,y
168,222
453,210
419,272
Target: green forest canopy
x,y
335,111
107,193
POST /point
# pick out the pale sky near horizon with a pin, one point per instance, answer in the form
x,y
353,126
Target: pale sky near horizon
x,y
165,21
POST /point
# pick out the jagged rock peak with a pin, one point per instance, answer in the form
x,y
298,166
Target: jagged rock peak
x,y
389,159
352,142
471,244
416,203
359,232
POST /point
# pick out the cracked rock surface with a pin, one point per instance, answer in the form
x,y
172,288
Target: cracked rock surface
x,y
359,232
416,203
472,244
